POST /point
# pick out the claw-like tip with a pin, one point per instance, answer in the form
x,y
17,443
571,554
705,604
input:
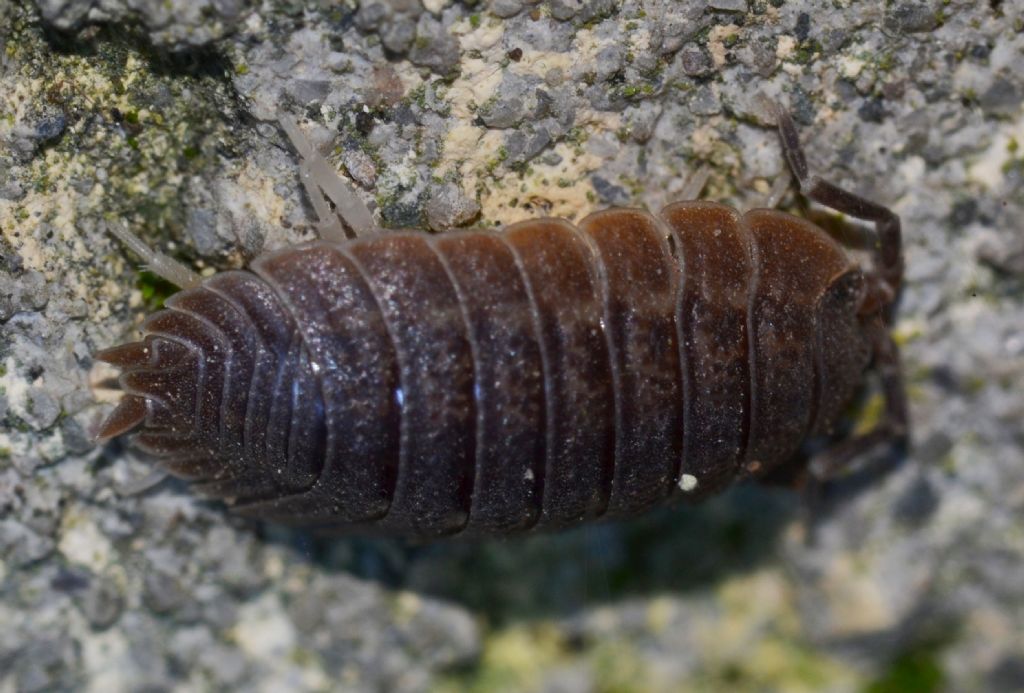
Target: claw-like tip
x,y
130,412
130,355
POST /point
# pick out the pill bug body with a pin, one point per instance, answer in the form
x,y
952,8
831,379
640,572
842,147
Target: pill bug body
x,y
497,382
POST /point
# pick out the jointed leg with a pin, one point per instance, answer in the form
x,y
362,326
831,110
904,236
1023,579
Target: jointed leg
x,y
779,187
889,251
695,185
139,485
893,426
159,264
319,179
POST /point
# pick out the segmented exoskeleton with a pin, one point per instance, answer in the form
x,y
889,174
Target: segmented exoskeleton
x,y
501,381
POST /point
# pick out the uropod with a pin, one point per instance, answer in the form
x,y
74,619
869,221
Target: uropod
x,y
528,378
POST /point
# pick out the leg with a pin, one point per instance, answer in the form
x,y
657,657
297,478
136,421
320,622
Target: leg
x,y
328,225
889,251
135,487
891,429
161,265
319,179
838,460
779,188
693,187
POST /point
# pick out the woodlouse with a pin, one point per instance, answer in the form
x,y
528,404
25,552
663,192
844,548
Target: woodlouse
x,y
532,378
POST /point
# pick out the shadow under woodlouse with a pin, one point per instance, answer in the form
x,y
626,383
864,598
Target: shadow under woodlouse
x,y
670,551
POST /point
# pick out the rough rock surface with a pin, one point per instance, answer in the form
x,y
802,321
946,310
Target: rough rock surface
x,y
907,576
174,24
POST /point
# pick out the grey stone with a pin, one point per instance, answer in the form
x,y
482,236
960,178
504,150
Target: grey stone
x,y
101,603
569,679
506,8
202,226
11,190
1003,98
763,58
20,546
522,146
65,14
442,634
918,503
705,102
51,128
9,302
398,35
1007,674
673,31
234,557
505,112
434,47
563,10
802,29
10,491
562,106
641,121
695,61
177,24
911,17
606,97
1005,255
728,5
646,64
552,158
448,207
872,110
554,77
403,213
46,664
42,409
371,15
596,9
228,667
510,105
70,580
164,593
609,61
309,92
543,34
545,104
609,193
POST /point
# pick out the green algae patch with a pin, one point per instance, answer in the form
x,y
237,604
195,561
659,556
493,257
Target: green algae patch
x,y
513,659
523,657
868,414
619,668
776,664
109,129
155,290
915,671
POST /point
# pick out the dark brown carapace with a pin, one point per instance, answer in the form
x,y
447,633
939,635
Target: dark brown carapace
x,y
530,378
